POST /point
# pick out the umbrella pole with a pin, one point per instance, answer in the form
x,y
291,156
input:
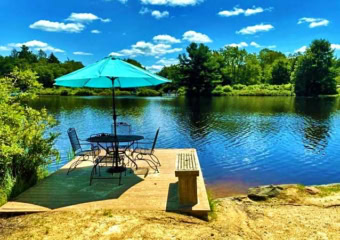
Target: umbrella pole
x,y
114,123
114,109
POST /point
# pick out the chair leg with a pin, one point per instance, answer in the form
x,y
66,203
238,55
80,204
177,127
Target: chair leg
x,y
154,167
157,160
74,166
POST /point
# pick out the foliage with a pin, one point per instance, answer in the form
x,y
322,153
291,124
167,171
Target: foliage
x,y
63,91
204,72
25,147
134,62
280,72
328,190
143,92
313,74
213,205
254,90
198,70
47,68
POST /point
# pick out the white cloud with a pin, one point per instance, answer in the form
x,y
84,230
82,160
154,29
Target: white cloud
x,y
85,18
49,26
234,12
301,49
252,11
147,49
314,22
166,39
239,45
172,2
37,45
144,10
154,68
254,44
95,31
158,15
193,36
246,12
256,28
335,46
167,61
4,48
116,54
82,53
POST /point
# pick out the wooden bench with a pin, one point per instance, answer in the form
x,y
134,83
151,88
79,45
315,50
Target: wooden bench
x,y
187,171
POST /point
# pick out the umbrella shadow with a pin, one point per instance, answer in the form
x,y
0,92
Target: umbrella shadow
x,y
62,190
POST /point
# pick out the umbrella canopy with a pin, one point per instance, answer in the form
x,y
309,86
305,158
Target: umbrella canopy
x,y
111,72
101,74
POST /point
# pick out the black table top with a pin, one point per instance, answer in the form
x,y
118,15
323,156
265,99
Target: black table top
x,y
109,138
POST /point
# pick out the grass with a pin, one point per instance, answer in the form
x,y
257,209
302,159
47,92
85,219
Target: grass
x,y
328,190
213,205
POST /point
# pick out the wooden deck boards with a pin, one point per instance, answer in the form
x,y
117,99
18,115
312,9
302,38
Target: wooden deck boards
x,y
155,191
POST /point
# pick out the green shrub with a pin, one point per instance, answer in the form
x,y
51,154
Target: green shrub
x,y
64,92
239,86
218,91
144,92
25,147
84,92
181,91
227,89
122,93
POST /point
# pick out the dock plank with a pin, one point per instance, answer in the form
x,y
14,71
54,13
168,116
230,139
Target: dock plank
x,y
156,191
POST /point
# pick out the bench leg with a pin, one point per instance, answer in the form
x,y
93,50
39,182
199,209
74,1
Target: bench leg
x,y
187,186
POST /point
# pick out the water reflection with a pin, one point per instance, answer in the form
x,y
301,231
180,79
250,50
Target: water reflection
x,y
242,140
316,126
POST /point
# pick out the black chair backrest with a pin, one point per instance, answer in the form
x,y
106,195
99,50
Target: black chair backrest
x,y
72,134
155,140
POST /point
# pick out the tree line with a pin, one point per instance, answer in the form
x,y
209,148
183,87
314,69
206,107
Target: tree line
x,y
202,70
47,67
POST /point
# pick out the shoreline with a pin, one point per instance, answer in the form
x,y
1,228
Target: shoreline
x,y
293,213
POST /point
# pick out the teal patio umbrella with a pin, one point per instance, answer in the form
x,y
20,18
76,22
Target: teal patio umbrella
x,y
111,73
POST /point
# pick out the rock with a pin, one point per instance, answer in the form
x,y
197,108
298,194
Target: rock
x,y
262,193
312,190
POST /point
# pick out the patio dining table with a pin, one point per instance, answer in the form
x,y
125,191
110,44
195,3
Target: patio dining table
x,y
102,139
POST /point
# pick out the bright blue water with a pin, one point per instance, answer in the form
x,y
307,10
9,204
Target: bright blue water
x,y
244,140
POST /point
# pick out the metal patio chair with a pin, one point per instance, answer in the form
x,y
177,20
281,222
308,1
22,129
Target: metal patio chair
x,y
123,128
103,160
83,155
147,149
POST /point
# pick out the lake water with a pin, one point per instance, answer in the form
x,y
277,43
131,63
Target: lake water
x,y
241,141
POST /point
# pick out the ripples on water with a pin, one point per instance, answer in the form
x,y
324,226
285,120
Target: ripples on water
x,y
241,141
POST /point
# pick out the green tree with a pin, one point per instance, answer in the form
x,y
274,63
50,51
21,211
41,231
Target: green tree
x,y
134,62
53,59
197,70
280,72
25,146
267,58
313,74
26,54
41,55
235,59
172,73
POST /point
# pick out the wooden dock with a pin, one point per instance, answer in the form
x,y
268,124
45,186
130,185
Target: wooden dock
x,y
142,189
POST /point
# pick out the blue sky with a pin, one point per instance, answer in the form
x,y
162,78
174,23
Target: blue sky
x,y
154,32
